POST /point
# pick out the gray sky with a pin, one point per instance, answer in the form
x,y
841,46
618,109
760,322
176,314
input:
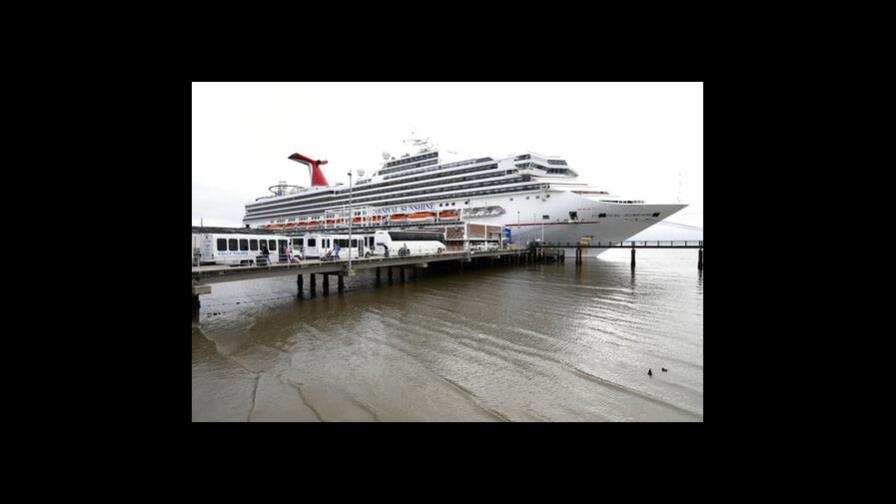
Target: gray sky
x,y
632,139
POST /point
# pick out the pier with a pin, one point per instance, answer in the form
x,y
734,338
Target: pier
x,y
633,245
536,252
204,276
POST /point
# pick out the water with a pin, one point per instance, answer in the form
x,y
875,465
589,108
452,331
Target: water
x,y
520,343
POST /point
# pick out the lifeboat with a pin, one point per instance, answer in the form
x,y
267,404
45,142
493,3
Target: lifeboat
x,y
356,220
398,217
421,216
447,215
330,222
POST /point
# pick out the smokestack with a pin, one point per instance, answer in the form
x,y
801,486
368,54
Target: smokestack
x,y
317,176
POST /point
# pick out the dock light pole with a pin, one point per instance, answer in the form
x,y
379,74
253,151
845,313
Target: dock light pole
x,y
350,221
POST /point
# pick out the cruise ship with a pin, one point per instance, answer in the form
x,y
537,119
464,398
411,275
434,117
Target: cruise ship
x,y
537,197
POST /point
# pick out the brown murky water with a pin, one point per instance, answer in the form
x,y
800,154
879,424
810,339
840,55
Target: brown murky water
x,y
523,343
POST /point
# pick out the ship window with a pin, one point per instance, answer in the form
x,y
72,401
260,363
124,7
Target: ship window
x,y
253,244
545,217
244,244
272,244
312,242
232,244
548,196
296,242
222,244
574,215
602,215
657,214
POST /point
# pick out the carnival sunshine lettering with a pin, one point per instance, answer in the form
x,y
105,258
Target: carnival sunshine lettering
x,y
404,209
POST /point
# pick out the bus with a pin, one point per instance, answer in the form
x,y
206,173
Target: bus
x,y
321,245
388,243
241,249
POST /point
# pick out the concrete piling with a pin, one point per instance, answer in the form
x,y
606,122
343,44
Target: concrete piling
x,y
390,273
312,287
339,283
300,283
401,274
326,284
377,275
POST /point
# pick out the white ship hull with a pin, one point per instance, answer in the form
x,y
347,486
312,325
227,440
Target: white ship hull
x,y
525,219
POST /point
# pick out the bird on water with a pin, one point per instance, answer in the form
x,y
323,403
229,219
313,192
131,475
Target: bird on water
x,y
664,369
650,373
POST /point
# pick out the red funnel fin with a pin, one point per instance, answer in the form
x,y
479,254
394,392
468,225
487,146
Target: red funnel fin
x,y
317,176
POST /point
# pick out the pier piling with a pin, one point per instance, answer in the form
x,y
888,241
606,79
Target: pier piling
x,y
401,274
339,283
700,260
312,286
326,284
389,269
633,257
377,276
299,283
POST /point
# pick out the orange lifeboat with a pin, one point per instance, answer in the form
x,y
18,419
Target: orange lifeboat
x,y
398,217
421,216
448,214
356,220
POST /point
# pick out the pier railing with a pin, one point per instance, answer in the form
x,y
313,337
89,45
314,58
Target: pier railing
x,y
697,244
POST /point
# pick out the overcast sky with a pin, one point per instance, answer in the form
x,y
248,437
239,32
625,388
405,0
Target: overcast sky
x,y
631,139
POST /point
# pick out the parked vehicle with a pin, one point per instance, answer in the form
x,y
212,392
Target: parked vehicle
x,y
388,243
240,249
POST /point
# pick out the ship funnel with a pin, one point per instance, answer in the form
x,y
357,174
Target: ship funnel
x,y
317,176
